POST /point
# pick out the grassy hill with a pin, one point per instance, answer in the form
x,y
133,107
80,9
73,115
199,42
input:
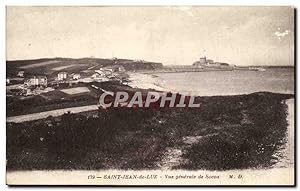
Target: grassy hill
x,y
49,66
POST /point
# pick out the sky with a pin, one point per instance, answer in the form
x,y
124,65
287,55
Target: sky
x,y
171,35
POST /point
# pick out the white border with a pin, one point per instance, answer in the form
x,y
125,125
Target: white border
x,y
151,2
110,2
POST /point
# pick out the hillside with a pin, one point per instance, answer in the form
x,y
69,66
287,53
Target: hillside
x,y
51,65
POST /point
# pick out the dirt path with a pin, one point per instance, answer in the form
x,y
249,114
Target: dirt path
x,y
54,113
173,155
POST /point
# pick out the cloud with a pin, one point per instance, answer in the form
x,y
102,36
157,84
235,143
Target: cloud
x,y
281,34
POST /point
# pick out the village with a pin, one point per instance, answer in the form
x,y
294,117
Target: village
x,y
35,86
51,74
28,85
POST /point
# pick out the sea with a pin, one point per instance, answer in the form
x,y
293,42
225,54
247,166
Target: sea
x,y
277,80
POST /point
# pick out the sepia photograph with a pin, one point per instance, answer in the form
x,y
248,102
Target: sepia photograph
x,y
150,95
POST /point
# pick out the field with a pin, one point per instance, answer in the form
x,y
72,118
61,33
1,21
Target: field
x,y
62,67
36,65
78,90
84,95
226,132
56,99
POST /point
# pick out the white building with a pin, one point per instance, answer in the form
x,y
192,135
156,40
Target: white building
x,y
76,76
100,72
62,75
36,81
96,76
20,74
108,69
121,69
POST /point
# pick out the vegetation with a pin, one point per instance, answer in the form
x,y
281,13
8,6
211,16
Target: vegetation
x,y
236,132
12,67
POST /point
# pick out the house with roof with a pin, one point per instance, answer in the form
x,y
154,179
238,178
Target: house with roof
x,y
36,81
62,76
76,76
20,74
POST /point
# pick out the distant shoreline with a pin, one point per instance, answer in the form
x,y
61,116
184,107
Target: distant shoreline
x,y
159,81
188,68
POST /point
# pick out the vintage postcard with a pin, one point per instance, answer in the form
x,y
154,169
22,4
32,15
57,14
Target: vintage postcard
x,y
161,95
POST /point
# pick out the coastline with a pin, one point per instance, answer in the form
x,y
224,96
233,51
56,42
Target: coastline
x,y
144,81
210,83
285,154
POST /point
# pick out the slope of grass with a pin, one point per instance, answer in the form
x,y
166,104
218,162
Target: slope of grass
x,y
241,131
